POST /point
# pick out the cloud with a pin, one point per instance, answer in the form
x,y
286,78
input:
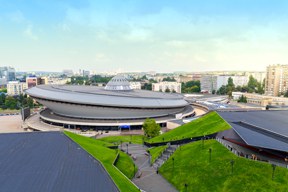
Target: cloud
x,y
28,32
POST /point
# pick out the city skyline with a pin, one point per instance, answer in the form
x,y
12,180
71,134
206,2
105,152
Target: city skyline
x,y
143,35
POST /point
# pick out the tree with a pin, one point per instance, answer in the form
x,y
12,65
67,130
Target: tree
x,y
151,128
2,99
222,90
242,99
11,102
286,94
167,90
191,87
171,79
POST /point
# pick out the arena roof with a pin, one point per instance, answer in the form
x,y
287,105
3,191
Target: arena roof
x,y
262,129
99,96
49,161
273,121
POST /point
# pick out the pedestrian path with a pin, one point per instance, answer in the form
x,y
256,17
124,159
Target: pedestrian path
x,y
149,181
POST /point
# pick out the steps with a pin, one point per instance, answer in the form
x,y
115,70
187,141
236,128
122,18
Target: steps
x,y
165,156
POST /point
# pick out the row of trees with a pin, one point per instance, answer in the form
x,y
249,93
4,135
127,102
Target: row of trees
x,y
15,102
253,86
85,80
191,87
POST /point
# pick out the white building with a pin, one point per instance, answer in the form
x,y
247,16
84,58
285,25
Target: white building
x,y
214,82
237,80
208,83
165,85
58,81
135,85
16,88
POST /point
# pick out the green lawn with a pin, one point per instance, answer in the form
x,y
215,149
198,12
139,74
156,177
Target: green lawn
x,y
155,152
192,166
208,124
2,111
125,165
106,156
137,139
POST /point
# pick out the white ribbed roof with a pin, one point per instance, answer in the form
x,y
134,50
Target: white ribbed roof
x,y
118,83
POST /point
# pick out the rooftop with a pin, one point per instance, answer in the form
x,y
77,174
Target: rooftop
x,y
49,161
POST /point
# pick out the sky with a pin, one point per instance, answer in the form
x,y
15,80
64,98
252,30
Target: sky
x,y
143,35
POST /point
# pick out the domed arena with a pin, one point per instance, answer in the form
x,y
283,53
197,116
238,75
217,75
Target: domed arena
x,y
109,107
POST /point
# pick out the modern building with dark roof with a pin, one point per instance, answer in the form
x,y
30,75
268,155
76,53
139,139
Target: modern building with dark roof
x,y
114,105
265,132
49,162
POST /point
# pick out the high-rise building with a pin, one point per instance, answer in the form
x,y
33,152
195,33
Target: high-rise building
x,y
276,82
7,73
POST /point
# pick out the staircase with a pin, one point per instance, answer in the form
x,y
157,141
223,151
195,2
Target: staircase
x,y
165,156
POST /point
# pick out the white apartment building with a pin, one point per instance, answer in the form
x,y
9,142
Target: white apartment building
x,y
276,82
16,87
214,82
135,85
208,83
163,86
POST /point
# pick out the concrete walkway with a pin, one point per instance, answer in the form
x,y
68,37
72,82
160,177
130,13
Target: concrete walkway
x,y
149,181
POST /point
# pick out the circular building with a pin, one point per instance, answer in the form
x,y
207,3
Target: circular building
x,y
114,105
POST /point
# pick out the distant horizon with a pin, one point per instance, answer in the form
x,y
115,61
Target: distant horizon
x,y
143,35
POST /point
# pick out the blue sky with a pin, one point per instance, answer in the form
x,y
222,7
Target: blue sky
x,y
143,35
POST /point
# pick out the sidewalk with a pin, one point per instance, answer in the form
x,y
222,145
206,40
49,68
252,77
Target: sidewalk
x,y
149,181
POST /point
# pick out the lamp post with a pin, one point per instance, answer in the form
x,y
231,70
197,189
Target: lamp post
x,y
173,164
232,165
210,151
186,186
127,147
121,144
202,142
273,170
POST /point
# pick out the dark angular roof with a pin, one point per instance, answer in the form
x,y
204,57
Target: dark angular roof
x,y
262,129
49,162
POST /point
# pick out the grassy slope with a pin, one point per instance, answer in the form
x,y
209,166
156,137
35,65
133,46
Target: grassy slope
x,y
208,124
125,165
155,152
192,166
137,139
106,156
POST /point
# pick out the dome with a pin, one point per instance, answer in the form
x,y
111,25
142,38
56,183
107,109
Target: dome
x,y
118,83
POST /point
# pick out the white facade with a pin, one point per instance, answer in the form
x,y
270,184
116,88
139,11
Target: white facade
x,y
208,83
16,88
162,86
237,80
214,82
135,85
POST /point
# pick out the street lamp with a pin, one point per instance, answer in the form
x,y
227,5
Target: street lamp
x,y
232,164
210,151
173,164
202,142
186,185
127,147
273,170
